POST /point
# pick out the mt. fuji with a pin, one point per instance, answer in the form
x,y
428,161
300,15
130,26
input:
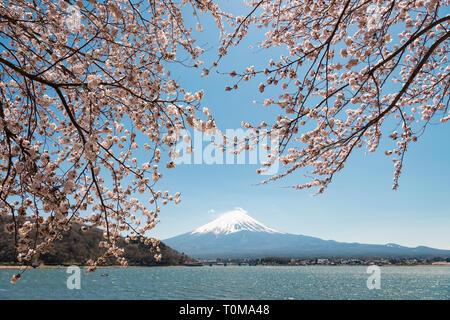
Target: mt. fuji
x,y
237,235
234,221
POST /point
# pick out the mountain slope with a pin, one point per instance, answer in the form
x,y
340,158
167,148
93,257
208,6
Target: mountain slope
x,y
234,221
237,235
77,247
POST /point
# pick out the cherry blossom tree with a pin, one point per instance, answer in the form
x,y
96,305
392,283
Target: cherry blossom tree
x,y
82,83
351,69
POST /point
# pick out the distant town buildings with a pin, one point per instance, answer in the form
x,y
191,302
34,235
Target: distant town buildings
x,y
327,261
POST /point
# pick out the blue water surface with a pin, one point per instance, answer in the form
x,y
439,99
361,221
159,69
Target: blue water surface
x,y
231,282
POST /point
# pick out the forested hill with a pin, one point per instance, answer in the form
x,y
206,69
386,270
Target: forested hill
x,y
77,246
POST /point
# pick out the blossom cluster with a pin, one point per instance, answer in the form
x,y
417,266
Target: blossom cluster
x,y
81,87
352,69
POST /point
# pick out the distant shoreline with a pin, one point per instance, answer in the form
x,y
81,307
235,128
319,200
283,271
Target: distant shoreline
x,y
82,267
6,267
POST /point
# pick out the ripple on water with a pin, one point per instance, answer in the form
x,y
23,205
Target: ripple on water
x,y
232,283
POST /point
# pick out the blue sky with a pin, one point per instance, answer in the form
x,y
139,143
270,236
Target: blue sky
x,y
359,206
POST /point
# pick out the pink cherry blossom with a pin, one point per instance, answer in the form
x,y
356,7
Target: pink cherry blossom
x,y
71,77
333,104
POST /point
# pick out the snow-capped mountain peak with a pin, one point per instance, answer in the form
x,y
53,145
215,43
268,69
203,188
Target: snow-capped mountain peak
x,y
222,238
234,221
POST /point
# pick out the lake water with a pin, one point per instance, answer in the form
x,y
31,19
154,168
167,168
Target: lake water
x,y
231,282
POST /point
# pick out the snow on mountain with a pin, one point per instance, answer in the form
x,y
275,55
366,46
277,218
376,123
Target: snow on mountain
x,y
237,235
393,245
234,221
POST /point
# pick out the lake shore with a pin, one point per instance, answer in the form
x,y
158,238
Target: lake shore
x,y
83,267
12,267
